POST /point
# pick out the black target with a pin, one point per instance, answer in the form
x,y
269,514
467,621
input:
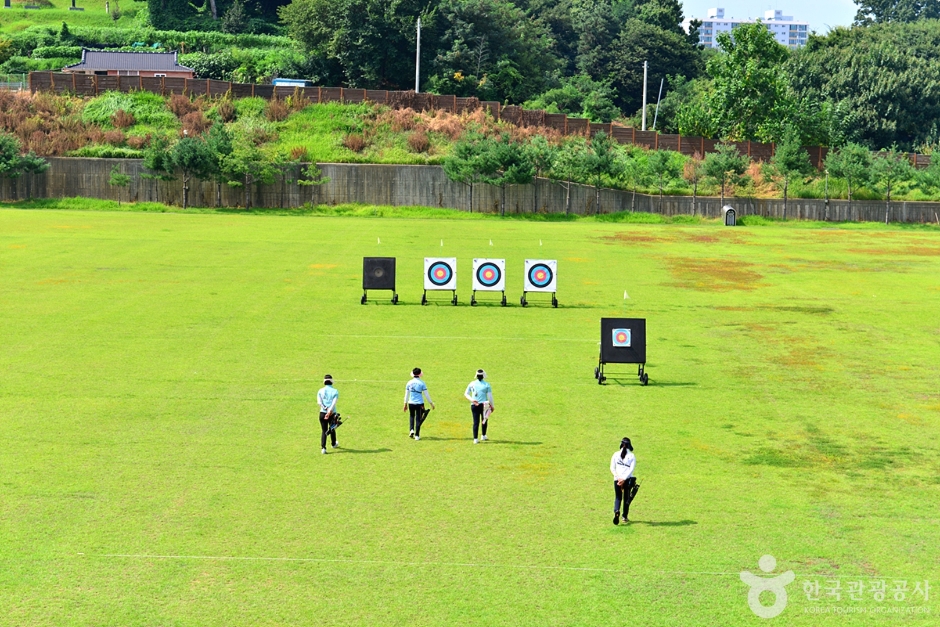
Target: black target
x,y
540,275
489,274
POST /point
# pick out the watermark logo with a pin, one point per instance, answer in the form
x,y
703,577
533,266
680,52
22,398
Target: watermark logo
x,y
775,585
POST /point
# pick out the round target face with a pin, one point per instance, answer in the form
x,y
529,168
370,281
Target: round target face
x,y
378,272
489,274
540,275
440,273
621,338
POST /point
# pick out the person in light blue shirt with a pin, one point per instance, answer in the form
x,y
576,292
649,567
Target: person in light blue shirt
x,y
415,391
326,399
480,395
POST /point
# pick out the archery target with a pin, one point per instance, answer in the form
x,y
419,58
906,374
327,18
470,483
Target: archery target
x,y
541,275
440,273
489,275
621,338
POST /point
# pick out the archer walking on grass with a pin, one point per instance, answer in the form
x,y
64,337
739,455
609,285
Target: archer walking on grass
x,y
415,391
622,466
326,398
480,395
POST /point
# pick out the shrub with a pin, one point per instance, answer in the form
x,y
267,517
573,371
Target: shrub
x,y
181,106
226,110
138,142
418,141
147,108
57,52
195,123
114,138
276,110
355,142
123,119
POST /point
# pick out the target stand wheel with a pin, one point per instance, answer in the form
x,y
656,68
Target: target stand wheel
x,y
424,299
454,301
522,301
362,301
645,379
503,302
597,373
394,299
554,302
473,301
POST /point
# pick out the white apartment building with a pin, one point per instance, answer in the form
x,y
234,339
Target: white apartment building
x,y
783,27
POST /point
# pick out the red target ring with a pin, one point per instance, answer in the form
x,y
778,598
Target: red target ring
x,y
489,274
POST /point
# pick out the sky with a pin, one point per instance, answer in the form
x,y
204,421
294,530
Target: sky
x,y
821,14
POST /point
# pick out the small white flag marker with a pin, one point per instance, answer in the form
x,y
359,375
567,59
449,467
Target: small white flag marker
x,y
626,296
380,239
491,242
442,243
540,242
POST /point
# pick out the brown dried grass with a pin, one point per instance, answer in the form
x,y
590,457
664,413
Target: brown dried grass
x,y
355,142
418,141
299,153
181,106
195,123
123,119
276,110
139,142
115,137
226,110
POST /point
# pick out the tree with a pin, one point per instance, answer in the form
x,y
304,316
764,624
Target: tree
x,y
541,155
507,165
789,161
469,161
887,170
751,97
158,164
247,165
234,19
192,157
491,49
579,96
878,86
570,164
118,179
633,171
219,143
852,162
601,161
876,11
725,166
692,171
13,163
663,165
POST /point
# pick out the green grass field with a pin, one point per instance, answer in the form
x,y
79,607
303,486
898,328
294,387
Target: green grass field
x,y
159,452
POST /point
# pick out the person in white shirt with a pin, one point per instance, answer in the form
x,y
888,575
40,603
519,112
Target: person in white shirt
x,y
326,399
622,467
480,395
415,391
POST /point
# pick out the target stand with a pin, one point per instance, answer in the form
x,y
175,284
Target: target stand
x,y
440,274
623,341
378,273
489,275
541,275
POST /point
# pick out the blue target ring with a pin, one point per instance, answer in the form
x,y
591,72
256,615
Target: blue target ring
x,y
489,274
440,273
540,275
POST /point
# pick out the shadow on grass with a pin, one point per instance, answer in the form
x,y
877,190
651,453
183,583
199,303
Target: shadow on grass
x,y
664,523
631,380
363,451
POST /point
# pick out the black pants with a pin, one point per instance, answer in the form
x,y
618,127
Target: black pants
x,y
622,494
414,417
477,411
325,426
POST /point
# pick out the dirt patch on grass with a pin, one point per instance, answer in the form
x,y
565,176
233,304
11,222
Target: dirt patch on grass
x,y
714,275
675,237
631,237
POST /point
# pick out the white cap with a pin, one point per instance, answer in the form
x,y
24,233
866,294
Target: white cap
x,y
481,372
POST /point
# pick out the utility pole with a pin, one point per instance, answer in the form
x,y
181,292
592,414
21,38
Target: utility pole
x,y
418,61
645,71
658,100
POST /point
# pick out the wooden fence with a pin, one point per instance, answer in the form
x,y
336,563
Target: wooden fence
x,y
89,85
